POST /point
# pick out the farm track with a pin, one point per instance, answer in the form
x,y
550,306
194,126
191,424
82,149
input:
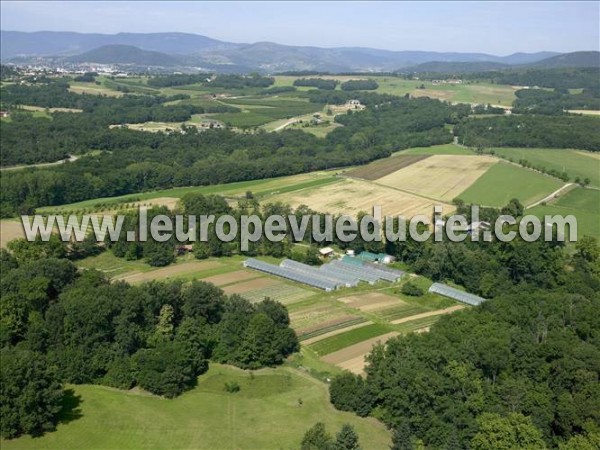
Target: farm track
x,y
551,196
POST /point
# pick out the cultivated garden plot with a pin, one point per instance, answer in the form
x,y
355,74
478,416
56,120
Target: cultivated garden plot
x,y
352,357
372,301
231,277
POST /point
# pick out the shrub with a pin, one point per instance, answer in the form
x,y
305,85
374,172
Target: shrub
x,y
412,289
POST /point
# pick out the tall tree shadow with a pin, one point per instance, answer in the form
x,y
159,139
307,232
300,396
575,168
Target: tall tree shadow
x,y
70,407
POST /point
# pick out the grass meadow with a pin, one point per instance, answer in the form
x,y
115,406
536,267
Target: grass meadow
x,y
577,164
504,181
207,417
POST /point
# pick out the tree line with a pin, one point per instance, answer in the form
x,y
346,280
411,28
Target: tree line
x,y
531,131
319,83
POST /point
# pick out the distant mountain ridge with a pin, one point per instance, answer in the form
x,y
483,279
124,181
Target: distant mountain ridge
x,y
196,51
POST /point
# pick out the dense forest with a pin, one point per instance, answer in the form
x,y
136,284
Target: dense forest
x,y
318,83
359,85
531,131
556,102
520,371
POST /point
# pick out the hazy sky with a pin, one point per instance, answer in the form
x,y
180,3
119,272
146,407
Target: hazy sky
x,y
492,27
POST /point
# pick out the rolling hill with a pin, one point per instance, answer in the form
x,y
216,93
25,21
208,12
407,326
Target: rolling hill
x,y
195,50
125,54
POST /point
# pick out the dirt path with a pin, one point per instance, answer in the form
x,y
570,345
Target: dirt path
x,y
287,124
551,196
71,158
424,315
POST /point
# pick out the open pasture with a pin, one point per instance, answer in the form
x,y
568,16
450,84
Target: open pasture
x,y
93,89
577,164
169,272
480,93
207,417
584,204
351,196
505,181
383,167
441,177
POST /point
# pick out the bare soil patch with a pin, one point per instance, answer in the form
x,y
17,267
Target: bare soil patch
x,y
349,358
383,167
248,286
9,231
372,301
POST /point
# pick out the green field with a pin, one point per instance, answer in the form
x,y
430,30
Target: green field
x,y
475,92
261,110
584,204
504,181
576,163
343,340
261,188
256,417
444,149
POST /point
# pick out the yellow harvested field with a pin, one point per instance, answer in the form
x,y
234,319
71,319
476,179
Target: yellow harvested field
x,y
335,332
94,90
352,358
441,177
424,315
253,285
169,272
372,301
349,197
231,277
589,112
9,231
